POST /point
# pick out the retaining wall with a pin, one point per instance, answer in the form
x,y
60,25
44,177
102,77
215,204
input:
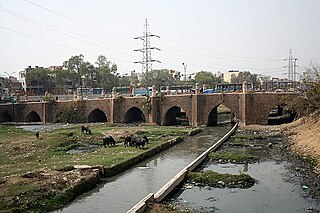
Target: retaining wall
x,y
178,178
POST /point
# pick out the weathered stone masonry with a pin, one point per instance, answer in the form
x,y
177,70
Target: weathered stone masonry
x,y
248,108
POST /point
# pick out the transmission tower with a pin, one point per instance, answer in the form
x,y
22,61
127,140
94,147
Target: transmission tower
x,y
292,65
146,60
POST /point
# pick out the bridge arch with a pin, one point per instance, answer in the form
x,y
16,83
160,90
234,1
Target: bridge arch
x,y
175,116
5,117
134,114
220,114
97,115
33,117
280,114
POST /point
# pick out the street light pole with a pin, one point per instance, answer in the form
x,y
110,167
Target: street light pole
x,y
185,72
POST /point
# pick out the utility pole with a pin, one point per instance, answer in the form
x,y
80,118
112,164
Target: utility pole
x,y
185,72
146,60
292,64
294,69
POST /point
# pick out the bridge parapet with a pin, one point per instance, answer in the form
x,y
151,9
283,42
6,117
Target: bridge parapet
x,y
248,108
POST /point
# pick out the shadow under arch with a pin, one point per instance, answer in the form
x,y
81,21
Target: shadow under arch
x,y
97,115
5,117
33,117
175,116
281,114
134,114
220,114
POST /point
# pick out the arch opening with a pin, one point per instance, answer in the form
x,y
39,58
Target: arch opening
x,y
5,117
33,117
281,114
221,114
176,116
97,115
134,115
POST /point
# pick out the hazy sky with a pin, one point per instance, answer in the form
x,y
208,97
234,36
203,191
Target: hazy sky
x,y
209,35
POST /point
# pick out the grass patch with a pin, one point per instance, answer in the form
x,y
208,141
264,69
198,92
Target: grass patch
x,y
246,139
224,156
214,179
21,152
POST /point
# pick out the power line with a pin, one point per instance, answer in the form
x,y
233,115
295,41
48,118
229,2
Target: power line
x,y
185,44
61,31
109,33
146,49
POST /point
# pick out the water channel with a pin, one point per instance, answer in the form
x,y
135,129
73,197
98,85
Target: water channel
x,y
277,188
120,193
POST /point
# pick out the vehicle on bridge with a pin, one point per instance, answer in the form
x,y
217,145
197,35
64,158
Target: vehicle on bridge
x,y
232,87
177,89
89,91
142,91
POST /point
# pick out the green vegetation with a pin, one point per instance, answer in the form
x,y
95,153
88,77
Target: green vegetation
x,y
24,159
215,179
69,114
246,139
21,152
167,208
234,157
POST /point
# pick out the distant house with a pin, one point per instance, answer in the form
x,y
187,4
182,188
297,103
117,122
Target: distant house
x,y
175,74
228,75
32,89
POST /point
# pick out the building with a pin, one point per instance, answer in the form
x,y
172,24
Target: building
x,y
28,89
228,75
175,74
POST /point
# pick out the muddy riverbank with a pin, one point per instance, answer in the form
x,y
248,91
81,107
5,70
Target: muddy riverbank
x,y
302,148
285,181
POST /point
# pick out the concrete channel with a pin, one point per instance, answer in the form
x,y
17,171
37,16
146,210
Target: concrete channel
x,y
178,178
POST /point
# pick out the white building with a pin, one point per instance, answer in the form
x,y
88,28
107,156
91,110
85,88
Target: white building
x,y
228,75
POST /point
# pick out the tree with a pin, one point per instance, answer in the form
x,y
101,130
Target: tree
x,y
245,76
158,78
106,73
89,74
310,101
207,78
63,79
41,78
73,65
311,73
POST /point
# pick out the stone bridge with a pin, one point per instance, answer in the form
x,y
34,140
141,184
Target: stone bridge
x,y
198,109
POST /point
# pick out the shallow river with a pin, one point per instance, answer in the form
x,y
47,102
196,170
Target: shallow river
x,y
120,193
277,188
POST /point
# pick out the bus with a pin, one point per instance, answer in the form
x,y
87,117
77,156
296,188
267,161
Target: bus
x,y
226,87
96,91
123,90
142,91
85,91
177,89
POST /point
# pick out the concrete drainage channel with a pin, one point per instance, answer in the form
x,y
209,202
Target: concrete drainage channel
x,y
178,178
